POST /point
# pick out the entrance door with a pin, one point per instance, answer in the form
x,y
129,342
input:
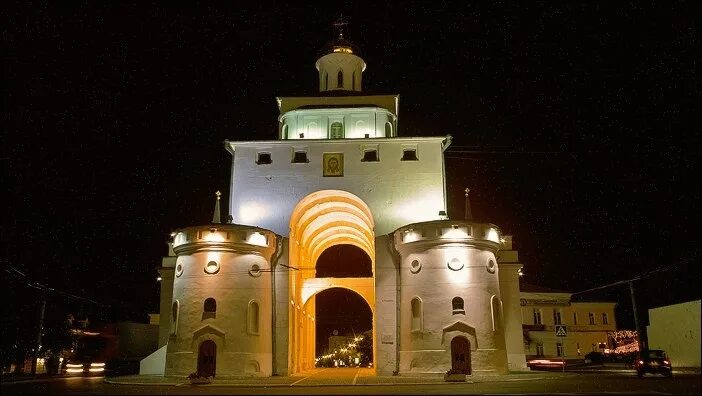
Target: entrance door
x,y
460,355
207,359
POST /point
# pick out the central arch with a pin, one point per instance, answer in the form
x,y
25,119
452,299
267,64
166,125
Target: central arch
x,y
320,221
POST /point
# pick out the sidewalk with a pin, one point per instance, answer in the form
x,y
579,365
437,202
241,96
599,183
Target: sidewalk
x,y
311,379
623,367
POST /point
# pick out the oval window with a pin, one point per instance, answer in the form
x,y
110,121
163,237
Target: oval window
x,y
491,266
179,270
255,270
415,266
212,267
455,264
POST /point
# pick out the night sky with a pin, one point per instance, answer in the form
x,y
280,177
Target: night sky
x,y
571,124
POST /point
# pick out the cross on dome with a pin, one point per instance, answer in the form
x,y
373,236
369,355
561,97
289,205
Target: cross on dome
x,y
340,24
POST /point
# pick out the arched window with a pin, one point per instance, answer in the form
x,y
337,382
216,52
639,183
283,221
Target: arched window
x,y
252,317
388,129
285,131
312,129
496,309
458,307
353,80
340,79
326,80
210,305
175,308
416,314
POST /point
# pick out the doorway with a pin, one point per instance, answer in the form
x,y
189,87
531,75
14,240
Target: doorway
x,y
460,355
207,359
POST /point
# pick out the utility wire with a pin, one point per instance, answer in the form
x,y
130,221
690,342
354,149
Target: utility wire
x,y
636,278
40,286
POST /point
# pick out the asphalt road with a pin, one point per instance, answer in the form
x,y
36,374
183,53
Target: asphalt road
x,y
547,383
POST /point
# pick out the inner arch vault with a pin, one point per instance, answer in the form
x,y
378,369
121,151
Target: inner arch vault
x,y
319,221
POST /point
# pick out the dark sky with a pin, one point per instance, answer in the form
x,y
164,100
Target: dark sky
x,y
115,114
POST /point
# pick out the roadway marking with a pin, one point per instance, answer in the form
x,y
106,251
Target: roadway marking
x,y
300,380
356,376
51,379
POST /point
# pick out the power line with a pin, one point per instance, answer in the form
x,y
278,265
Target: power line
x,y
17,274
636,278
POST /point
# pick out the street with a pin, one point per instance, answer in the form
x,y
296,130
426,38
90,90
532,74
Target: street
x,y
355,381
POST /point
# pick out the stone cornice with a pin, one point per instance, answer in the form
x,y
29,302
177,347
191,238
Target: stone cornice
x,y
230,145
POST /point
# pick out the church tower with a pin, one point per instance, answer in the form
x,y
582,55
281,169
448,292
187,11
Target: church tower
x,y
340,65
242,297
340,110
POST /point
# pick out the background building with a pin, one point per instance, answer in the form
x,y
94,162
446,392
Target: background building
x,y
587,323
676,329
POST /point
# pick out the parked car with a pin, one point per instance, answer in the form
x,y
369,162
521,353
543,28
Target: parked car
x,y
653,361
595,358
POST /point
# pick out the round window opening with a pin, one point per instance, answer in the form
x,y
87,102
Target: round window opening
x,y
455,264
491,266
415,266
179,270
255,270
212,267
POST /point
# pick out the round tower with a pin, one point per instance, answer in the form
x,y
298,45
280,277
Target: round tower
x,y
340,65
451,310
221,314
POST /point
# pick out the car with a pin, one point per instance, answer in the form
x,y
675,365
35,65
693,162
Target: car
x,y
653,361
595,357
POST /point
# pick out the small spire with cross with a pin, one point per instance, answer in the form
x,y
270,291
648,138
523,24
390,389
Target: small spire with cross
x,y
468,213
340,24
215,216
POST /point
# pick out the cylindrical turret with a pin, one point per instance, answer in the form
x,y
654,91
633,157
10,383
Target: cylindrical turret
x,y
340,66
221,307
451,314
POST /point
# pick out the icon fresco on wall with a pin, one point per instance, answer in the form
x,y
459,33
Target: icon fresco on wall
x,y
333,164
336,131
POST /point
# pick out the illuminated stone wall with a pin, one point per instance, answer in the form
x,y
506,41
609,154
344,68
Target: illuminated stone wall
x,y
235,282
348,64
508,262
676,329
355,123
440,261
397,192
386,297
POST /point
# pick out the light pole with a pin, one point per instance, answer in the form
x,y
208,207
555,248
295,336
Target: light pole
x,y
636,315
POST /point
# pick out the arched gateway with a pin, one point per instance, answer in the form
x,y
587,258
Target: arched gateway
x,y
320,221
255,284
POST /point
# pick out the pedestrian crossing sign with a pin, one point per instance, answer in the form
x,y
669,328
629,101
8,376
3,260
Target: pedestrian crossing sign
x,y
561,331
